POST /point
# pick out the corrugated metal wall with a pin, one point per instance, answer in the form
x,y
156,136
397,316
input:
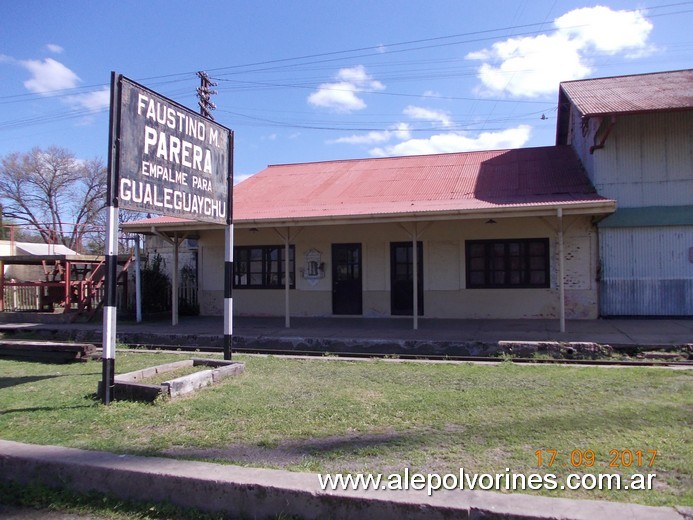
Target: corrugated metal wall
x,y
646,271
646,160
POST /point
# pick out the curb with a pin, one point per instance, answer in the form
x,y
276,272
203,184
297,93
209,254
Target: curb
x,y
371,346
260,493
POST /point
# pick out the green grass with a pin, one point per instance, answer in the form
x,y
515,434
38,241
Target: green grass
x,y
39,500
323,415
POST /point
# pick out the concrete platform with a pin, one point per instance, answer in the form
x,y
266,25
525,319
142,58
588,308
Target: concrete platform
x,y
373,335
260,493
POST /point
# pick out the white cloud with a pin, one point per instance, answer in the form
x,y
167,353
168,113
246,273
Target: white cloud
x,y
454,142
358,76
428,114
55,49
93,101
398,131
369,138
4,58
341,95
48,75
606,30
534,65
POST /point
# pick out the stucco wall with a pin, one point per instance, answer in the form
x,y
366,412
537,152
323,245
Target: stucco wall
x,y
445,294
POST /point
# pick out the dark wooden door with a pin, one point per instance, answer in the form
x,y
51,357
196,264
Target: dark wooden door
x,y
347,293
402,279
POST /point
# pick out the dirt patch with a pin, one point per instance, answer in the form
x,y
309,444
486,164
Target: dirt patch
x,y
157,379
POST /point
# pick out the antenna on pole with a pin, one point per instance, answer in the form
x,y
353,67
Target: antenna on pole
x,y
205,93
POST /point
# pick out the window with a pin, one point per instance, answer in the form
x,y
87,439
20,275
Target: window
x,y
511,263
262,267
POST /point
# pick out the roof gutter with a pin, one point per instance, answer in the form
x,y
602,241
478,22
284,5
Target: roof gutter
x,y
593,208
605,126
604,207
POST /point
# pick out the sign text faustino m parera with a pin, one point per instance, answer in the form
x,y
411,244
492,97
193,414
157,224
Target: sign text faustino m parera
x,y
172,160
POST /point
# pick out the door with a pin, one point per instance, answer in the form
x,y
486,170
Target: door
x,y
347,296
402,279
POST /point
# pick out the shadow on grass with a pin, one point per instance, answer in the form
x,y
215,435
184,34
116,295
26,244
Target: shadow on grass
x,y
7,382
43,409
506,431
292,452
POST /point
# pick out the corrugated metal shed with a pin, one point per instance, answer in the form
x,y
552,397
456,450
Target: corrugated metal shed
x,y
656,92
646,271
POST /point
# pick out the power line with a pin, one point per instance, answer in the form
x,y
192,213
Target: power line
x,y
184,76
299,63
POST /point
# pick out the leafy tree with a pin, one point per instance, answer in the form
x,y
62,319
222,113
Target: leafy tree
x,y
55,193
156,286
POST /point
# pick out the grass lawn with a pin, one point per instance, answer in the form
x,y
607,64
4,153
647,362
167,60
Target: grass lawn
x,y
319,415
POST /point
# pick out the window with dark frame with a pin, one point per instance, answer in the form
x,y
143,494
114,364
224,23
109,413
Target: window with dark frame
x,y
262,267
511,263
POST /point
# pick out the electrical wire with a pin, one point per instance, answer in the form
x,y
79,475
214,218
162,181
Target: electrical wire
x,y
411,70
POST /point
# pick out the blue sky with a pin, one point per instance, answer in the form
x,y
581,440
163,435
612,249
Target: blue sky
x,y
313,80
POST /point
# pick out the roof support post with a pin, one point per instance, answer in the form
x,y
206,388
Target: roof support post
x,y
68,288
174,282
138,281
561,270
2,286
175,241
416,233
415,275
287,284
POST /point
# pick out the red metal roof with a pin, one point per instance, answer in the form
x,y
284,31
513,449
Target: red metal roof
x,y
655,92
424,184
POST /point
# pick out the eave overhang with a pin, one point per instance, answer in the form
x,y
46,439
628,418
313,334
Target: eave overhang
x,y
596,208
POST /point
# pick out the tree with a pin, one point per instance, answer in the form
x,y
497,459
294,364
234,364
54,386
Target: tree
x,y
55,193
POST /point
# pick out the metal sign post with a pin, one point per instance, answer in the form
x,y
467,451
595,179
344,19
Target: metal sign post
x,y
164,159
228,263
109,309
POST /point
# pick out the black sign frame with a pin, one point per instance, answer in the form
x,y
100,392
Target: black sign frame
x,y
171,160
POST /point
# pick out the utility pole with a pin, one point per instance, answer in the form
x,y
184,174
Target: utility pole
x,y
205,93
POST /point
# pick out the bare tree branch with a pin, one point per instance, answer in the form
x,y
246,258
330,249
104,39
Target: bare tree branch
x,y
54,192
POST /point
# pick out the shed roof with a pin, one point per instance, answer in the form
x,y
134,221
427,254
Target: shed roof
x,y
640,93
414,187
31,248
